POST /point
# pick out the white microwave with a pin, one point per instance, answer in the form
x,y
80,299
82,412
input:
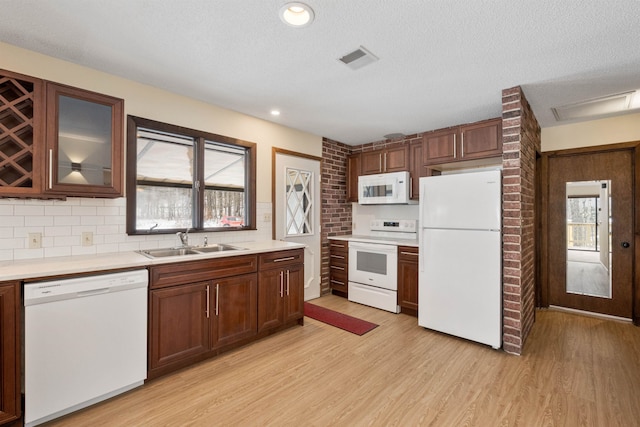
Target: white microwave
x,y
385,189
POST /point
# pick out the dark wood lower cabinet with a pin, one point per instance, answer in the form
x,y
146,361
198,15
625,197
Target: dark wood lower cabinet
x,y
280,295
339,267
233,308
10,408
178,326
408,279
194,313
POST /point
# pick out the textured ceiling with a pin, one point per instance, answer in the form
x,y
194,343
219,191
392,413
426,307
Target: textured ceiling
x,y
441,62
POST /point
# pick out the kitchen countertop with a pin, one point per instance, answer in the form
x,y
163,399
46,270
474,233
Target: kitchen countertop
x,y
57,266
375,239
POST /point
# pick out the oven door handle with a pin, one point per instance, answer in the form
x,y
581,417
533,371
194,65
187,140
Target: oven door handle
x,y
374,247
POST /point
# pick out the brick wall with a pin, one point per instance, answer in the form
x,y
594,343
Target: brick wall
x,y
521,142
335,210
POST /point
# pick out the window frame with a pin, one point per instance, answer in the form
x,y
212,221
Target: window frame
x,y
134,122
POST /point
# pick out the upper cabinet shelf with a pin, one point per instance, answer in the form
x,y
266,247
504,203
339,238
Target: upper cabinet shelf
x,y
58,141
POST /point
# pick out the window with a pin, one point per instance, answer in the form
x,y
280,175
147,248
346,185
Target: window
x,y
179,178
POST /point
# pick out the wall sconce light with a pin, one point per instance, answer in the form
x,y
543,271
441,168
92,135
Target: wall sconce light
x,y
76,167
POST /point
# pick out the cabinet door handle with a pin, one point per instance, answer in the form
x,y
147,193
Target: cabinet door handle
x,y
462,144
408,253
385,162
207,311
411,188
337,267
289,258
454,145
281,284
217,295
287,282
50,168
380,162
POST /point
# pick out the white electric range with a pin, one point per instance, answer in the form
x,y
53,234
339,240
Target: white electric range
x,y
373,262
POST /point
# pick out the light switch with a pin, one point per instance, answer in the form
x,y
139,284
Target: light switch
x,y
87,238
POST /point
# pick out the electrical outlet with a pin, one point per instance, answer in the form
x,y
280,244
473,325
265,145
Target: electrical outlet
x,y
35,240
87,238
267,217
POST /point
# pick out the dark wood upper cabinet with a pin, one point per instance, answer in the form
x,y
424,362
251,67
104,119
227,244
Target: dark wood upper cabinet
x,y
468,142
22,112
393,159
481,140
58,141
84,142
352,174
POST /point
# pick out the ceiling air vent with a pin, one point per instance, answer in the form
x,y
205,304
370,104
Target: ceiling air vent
x,y
594,107
358,58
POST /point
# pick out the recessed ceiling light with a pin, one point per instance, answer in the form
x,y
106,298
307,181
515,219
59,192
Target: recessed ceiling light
x,y
275,112
296,14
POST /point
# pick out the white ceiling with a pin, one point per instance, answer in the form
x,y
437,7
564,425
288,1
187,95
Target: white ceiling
x,y
441,62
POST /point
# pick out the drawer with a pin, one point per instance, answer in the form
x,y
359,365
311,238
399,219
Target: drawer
x,y
280,258
408,253
338,258
195,271
338,280
338,245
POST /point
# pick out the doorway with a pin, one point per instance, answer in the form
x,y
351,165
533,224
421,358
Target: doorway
x,y
591,231
296,210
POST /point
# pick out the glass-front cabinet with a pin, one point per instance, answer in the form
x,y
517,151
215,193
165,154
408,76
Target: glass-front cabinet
x,y
84,142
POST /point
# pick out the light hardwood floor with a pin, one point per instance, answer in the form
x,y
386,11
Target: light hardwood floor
x,y
575,371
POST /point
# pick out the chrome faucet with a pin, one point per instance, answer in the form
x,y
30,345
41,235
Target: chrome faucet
x,y
184,237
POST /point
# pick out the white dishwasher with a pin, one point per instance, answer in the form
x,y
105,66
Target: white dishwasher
x,y
85,341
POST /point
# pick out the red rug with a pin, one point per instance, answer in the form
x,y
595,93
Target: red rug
x,y
339,320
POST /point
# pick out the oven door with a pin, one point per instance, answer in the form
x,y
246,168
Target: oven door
x,y
374,264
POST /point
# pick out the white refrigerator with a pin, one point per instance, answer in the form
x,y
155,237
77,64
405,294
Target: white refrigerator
x,y
460,276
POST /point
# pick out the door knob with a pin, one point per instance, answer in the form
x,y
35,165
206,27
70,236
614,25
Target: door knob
x,y
625,244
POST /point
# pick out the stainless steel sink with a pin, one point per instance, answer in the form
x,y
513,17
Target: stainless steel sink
x,y
159,253
216,248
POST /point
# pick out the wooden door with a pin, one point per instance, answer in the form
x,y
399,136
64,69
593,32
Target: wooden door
x,y
613,172
353,172
10,351
481,140
179,325
440,146
270,299
294,292
408,279
396,159
371,162
233,307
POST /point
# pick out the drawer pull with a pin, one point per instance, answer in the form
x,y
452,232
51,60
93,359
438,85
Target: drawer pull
x,y
289,258
409,253
337,268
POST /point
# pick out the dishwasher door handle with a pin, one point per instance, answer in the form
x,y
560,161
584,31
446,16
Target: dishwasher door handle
x,y
92,292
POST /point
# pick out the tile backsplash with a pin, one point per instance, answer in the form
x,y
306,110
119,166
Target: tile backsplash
x,y
61,224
